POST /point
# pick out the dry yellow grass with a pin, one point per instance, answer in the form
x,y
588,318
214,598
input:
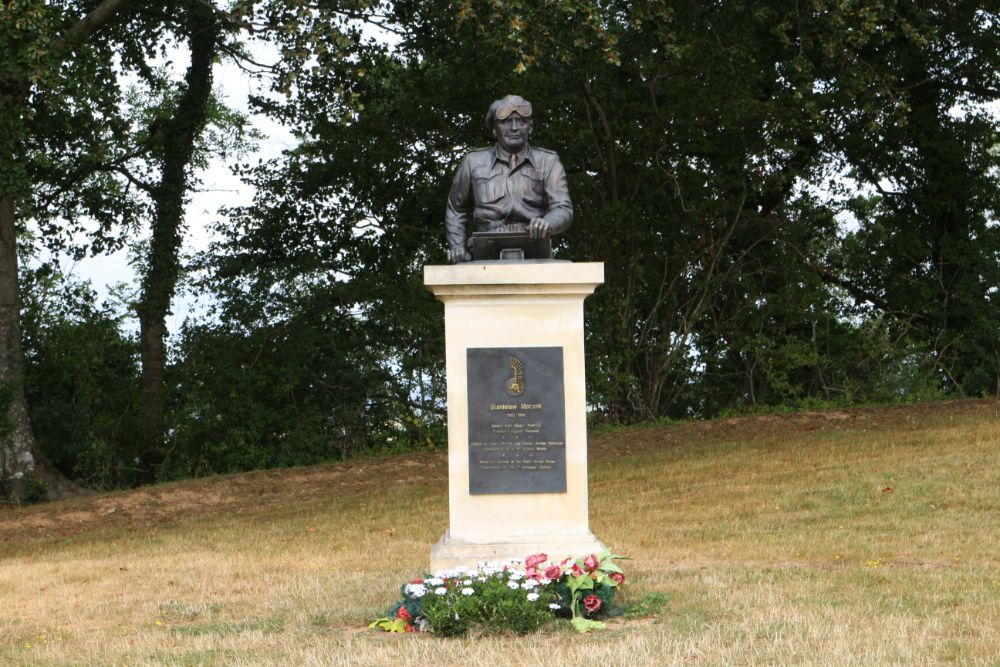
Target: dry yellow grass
x,y
849,538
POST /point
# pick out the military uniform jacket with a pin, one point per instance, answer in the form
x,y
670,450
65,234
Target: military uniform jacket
x,y
490,193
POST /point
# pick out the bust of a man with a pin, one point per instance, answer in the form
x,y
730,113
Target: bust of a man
x,y
511,186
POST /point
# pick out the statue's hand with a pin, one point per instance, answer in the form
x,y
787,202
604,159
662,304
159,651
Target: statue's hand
x,y
456,255
538,229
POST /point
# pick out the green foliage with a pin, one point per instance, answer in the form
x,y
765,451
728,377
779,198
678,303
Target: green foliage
x,y
62,135
389,624
796,206
589,589
651,604
706,151
22,489
81,380
920,145
501,597
494,609
33,490
307,389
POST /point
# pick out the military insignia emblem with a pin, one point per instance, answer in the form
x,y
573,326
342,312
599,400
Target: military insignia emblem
x,y
515,385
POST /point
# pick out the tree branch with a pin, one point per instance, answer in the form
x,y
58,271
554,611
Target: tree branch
x,y
103,14
828,276
610,154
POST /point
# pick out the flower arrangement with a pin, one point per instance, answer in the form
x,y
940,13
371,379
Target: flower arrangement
x,y
514,595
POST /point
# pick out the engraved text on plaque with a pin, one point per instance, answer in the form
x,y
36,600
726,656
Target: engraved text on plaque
x,y
517,420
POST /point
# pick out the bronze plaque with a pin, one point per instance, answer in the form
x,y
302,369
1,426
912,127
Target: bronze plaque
x,y
517,420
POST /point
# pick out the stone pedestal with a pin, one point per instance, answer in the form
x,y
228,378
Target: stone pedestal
x,y
517,430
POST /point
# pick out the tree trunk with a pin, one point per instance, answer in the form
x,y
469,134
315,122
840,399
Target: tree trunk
x,y
19,455
176,149
20,458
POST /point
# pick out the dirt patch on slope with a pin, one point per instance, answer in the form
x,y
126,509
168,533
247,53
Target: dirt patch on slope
x,y
241,493
249,493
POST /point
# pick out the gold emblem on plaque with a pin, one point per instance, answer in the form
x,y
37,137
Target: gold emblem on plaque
x,y
515,385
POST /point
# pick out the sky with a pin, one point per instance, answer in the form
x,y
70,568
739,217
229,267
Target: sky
x,y
219,188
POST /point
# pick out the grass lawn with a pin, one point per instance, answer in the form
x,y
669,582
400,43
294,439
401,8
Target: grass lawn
x,y
858,537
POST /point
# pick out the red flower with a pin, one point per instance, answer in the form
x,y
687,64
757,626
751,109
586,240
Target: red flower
x,y
591,562
531,573
591,603
531,562
553,572
404,614
417,581
576,570
618,578
409,628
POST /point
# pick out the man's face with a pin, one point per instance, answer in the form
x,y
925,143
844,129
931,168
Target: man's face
x,y
512,132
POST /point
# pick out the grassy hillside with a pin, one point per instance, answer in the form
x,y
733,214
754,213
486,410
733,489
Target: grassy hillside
x,y
866,536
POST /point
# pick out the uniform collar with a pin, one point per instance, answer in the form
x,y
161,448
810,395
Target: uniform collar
x,y
500,154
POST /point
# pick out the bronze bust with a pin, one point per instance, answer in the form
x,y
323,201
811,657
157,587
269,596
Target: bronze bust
x,y
509,191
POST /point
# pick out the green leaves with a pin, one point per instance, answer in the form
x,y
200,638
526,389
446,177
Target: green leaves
x,y
582,582
389,624
584,625
593,576
607,561
794,203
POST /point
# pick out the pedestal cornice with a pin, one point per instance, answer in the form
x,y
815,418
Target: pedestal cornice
x,y
513,278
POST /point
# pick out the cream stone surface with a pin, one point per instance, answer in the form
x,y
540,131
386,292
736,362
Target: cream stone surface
x,y
514,304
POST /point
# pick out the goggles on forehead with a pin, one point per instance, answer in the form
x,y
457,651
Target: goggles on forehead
x,y
523,110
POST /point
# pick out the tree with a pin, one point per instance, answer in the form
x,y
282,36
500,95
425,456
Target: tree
x,y
171,145
81,381
87,160
54,92
916,134
793,202
699,141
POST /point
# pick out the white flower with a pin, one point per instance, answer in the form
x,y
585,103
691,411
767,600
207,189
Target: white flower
x,y
515,575
467,582
544,581
440,590
416,590
483,579
529,584
554,606
512,585
435,581
467,591
532,597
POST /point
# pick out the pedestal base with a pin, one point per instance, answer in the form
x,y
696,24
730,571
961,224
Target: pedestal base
x,y
517,409
449,553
